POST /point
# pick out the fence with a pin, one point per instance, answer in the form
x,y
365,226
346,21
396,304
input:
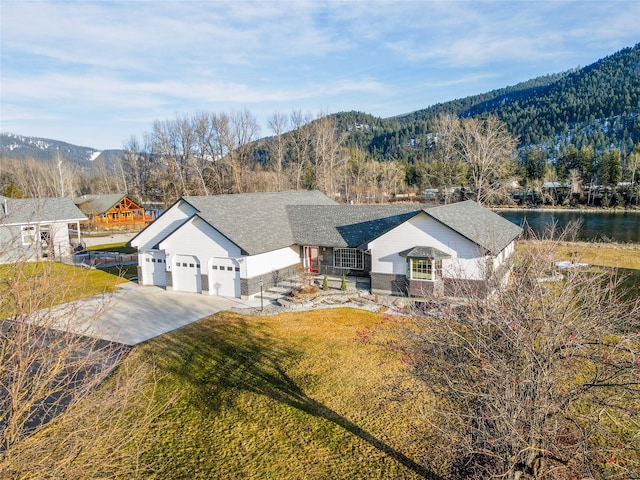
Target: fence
x,y
104,259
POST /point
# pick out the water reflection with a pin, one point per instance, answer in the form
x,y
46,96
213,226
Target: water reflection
x,y
595,226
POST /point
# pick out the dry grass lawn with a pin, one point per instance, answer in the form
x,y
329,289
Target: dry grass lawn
x,y
286,397
599,254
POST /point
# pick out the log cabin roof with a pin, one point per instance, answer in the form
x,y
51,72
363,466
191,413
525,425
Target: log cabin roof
x,y
99,204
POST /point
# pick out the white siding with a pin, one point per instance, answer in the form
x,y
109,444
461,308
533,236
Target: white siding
x,y
196,237
163,226
466,260
59,233
224,279
270,261
502,256
153,268
12,248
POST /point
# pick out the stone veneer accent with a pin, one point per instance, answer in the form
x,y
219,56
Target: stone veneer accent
x,y
389,284
251,286
421,288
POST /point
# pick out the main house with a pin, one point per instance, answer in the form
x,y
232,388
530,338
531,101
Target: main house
x,y
230,245
35,228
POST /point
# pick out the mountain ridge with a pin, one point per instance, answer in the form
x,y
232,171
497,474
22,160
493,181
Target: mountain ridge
x,y
596,105
19,146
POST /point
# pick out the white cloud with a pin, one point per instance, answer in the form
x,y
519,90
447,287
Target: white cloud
x,y
141,59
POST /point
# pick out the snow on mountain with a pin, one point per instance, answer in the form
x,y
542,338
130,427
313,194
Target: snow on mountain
x,y
44,149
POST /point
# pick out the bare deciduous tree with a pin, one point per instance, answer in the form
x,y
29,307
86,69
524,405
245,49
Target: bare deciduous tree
x,y
539,380
326,150
300,145
488,149
58,417
278,124
446,170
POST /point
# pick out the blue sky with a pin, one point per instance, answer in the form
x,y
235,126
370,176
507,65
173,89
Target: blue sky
x,y
94,73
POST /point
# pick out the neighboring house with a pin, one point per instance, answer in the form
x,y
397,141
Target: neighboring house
x,y
566,187
228,244
35,228
113,212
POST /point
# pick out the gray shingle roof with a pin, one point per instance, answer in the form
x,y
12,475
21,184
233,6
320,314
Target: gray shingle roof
x,y
39,210
480,225
425,252
266,221
256,222
345,225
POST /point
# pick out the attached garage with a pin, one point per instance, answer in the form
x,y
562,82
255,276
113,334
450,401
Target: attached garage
x,y
224,277
186,274
153,266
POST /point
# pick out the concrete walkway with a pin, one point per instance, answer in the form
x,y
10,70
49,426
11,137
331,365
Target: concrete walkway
x,y
134,313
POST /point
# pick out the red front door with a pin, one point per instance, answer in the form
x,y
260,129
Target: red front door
x,y
311,259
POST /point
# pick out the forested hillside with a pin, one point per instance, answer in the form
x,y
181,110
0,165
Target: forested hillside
x,y
596,106
46,149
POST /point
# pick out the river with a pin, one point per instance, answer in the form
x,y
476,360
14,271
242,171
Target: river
x,y
621,227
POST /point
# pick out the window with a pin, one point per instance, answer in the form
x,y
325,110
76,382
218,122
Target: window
x,y
424,269
348,258
214,267
28,235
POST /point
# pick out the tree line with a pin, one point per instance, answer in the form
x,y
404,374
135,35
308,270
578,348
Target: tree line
x,y
215,153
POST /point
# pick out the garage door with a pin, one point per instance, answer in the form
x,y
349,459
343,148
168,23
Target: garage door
x,y
224,277
153,269
186,274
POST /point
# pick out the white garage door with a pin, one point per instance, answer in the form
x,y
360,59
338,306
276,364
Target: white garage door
x,y
224,277
153,269
186,274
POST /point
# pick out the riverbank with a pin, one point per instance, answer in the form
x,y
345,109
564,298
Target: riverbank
x,y
609,255
506,208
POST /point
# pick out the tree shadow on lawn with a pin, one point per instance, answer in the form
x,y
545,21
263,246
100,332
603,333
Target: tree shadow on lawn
x,y
221,358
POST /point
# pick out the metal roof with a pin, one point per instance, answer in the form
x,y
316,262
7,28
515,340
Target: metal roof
x,y
99,204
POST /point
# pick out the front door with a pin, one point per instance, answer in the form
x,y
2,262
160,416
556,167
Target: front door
x,y
311,259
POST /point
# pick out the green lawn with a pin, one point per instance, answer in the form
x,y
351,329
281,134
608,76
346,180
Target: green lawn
x,y
112,247
36,279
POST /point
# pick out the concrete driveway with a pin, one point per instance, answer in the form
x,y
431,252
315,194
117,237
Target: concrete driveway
x,y
134,313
